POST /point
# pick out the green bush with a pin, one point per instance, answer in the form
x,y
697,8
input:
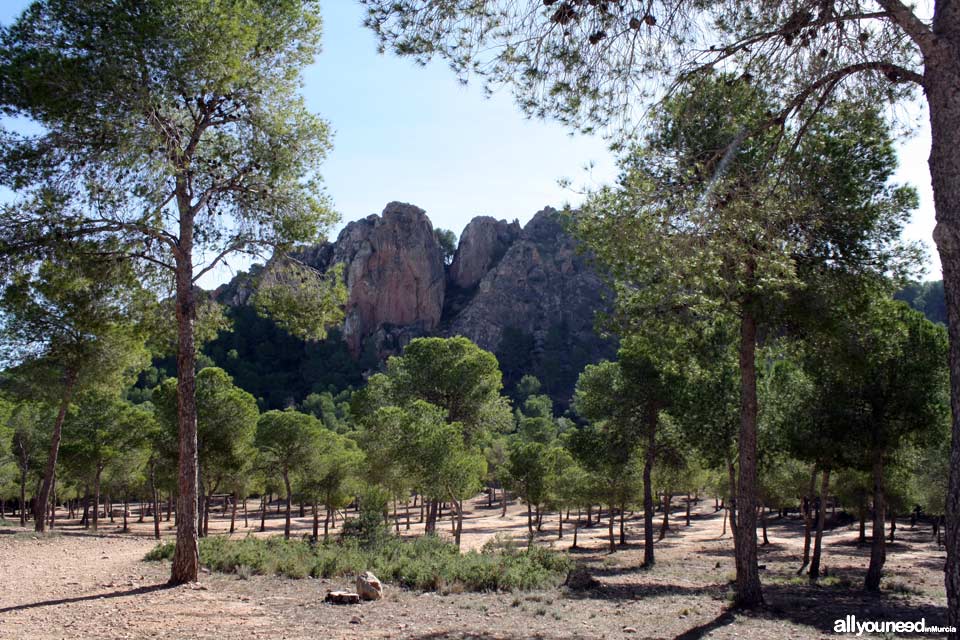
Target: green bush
x,y
427,563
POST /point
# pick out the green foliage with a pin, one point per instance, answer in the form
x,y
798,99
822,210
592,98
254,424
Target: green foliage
x,y
601,65
72,321
528,386
455,375
334,412
276,367
29,425
226,423
927,297
427,450
104,432
137,106
303,302
706,221
369,529
289,440
448,243
426,563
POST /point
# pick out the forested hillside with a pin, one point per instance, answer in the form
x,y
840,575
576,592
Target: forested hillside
x,y
926,297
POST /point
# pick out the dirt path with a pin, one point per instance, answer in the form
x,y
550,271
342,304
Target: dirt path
x,y
75,585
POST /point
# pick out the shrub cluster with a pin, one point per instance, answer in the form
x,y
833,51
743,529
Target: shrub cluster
x,y
427,563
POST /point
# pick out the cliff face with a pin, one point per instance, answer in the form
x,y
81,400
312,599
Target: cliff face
x,y
394,273
525,294
539,282
536,308
483,243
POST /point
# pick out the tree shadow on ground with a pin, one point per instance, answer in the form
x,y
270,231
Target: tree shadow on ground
x,y
642,591
93,596
819,607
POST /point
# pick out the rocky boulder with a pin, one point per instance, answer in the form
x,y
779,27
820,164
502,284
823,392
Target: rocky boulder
x,y
369,587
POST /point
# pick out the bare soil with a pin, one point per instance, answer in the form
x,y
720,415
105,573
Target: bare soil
x,y
72,583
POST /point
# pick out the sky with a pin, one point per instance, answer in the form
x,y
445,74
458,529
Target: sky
x,y
415,134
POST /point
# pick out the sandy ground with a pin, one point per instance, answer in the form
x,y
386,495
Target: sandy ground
x,y
73,584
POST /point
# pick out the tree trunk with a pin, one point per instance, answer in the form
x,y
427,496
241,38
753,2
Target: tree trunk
x,y
85,518
186,557
316,523
286,484
233,513
665,525
731,507
748,591
50,510
623,533
96,497
431,524
878,550
821,518
529,519
688,509
40,505
648,461
610,528
862,538
808,519
207,499
263,513
23,498
396,516
763,523
156,506
326,525
893,525
246,521
459,530
125,527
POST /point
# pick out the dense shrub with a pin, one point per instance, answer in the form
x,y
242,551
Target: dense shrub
x,y
427,563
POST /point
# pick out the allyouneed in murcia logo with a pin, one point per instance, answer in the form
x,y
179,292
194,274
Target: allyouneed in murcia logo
x,y
850,624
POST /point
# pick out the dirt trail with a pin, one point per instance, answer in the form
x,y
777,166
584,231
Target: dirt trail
x,y
76,585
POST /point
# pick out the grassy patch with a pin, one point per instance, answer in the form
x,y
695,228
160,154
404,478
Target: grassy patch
x,y
426,563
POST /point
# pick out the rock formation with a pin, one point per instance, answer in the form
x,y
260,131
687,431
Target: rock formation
x,y
394,273
536,308
483,243
368,586
526,294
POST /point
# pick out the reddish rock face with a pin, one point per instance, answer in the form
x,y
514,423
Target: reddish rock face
x,y
394,273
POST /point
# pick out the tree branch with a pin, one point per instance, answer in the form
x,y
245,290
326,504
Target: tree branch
x,y
917,29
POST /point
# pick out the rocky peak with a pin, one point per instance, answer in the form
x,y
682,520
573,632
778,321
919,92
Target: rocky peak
x,y
483,243
526,294
536,308
394,272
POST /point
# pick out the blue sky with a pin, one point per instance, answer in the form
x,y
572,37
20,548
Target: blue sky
x,y
414,134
